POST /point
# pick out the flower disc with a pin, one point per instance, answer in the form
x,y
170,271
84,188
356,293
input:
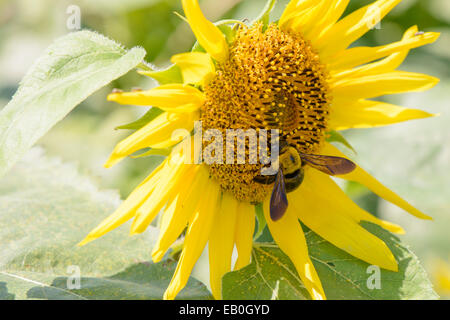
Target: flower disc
x,y
272,80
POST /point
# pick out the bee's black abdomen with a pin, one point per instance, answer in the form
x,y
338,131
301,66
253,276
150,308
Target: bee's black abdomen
x,y
294,180
266,180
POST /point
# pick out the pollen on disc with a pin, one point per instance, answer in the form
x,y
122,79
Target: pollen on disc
x,y
272,80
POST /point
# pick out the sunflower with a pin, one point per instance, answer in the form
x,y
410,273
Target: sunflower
x,y
298,75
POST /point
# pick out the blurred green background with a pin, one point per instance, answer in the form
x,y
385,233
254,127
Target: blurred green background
x,y
412,158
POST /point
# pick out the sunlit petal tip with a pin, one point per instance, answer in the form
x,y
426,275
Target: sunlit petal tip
x,y
113,97
413,29
174,288
122,97
135,232
368,114
392,227
430,36
157,256
138,227
364,178
391,264
436,80
113,160
432,82
430,115
86,241
421,215
207,34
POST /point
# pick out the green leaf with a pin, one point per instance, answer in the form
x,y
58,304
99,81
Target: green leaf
x,y
363,197
271,275
229,32
172,74
145,119
71,69
46,208
261,221
142,281
334,136
264,17
4,293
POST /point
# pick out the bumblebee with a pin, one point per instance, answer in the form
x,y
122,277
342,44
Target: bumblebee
x,y
290,174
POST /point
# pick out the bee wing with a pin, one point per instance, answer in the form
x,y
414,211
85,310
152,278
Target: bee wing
x,y
278,200
329,164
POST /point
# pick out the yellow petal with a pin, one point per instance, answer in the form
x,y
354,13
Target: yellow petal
x,y
178,213
157,134
360,55
305,22
335,11
245,227
382,84
197,235
353,26
294,10
127,209
367,114
196,67
388,64
208,35
168,97
333,218
288,234
320,181
167,186
221,243
364,178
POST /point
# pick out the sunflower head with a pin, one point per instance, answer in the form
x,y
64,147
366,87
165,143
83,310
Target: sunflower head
x,y
299,77
272,80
